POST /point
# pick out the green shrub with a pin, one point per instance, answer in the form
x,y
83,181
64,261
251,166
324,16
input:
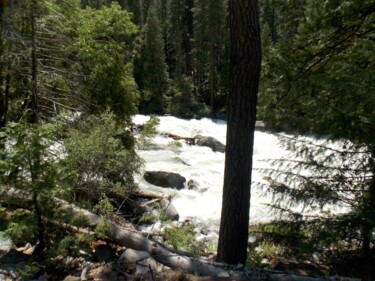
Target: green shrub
x,y
183,238
101,162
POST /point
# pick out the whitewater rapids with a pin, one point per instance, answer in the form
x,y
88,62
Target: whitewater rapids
x,y
204,166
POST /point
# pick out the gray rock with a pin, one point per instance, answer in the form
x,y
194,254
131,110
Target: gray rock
x,y
192,184
165,179
141,259
210,142
169,210
6,244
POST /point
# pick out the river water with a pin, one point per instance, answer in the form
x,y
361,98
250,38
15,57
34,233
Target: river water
x,y
204,166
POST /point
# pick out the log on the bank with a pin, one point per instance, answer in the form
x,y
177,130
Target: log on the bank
x,y
133,239
150,194
125,237
291,277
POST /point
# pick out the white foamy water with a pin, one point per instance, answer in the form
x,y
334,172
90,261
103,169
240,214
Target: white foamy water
x,y
204,166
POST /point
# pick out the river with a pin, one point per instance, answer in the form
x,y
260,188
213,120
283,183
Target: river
x,y
205,167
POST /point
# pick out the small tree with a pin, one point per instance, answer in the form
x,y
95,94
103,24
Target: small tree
x,y
153,79
104,51
31,163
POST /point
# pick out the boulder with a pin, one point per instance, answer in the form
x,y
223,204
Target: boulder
x,y
165,179
144,263
192,184
169,210
210,142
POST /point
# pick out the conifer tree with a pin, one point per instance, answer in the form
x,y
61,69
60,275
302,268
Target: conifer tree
x,y
322,86
154,76
209,42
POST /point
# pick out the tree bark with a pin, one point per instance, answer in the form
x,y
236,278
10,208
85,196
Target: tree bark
x,y
245,61
369,218
34,118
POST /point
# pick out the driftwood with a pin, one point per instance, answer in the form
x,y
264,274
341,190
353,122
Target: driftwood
x,y
133,239
149,194
188,140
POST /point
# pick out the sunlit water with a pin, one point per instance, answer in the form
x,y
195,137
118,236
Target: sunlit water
x,y
204,166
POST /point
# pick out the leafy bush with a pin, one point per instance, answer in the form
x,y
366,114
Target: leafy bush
x,y
101,162
183,238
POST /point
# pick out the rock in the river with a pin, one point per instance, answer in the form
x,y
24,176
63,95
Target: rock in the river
x,y
165,179
169,210
192,184
210,142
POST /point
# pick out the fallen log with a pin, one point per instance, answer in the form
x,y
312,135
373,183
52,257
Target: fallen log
x,y
292,277
150,194
131,238
188,140
125,237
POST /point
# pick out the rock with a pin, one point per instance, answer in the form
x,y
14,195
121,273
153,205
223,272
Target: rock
x,y
165,179
104,253
169,210
6,244
260,126
104,272
210,142
192,184
141,259
72,278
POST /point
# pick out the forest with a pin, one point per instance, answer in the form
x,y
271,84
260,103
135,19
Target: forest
x,y
73,73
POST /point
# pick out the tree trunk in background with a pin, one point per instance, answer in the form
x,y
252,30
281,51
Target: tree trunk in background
x,y
2,94
369,218
245,62
34,117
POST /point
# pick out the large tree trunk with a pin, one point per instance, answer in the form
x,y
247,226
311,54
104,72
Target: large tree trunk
x,y
245,60
369,219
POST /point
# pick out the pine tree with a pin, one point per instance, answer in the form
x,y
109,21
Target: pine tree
x,y
154,80
104,50
319,81
209,42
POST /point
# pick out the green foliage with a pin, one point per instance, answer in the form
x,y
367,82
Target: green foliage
x,y
182,101
104,46
148,131
326,192
151,65
101,229
104,206
72,244
22,231
183,238
318,78
30,161
149,218
101,162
